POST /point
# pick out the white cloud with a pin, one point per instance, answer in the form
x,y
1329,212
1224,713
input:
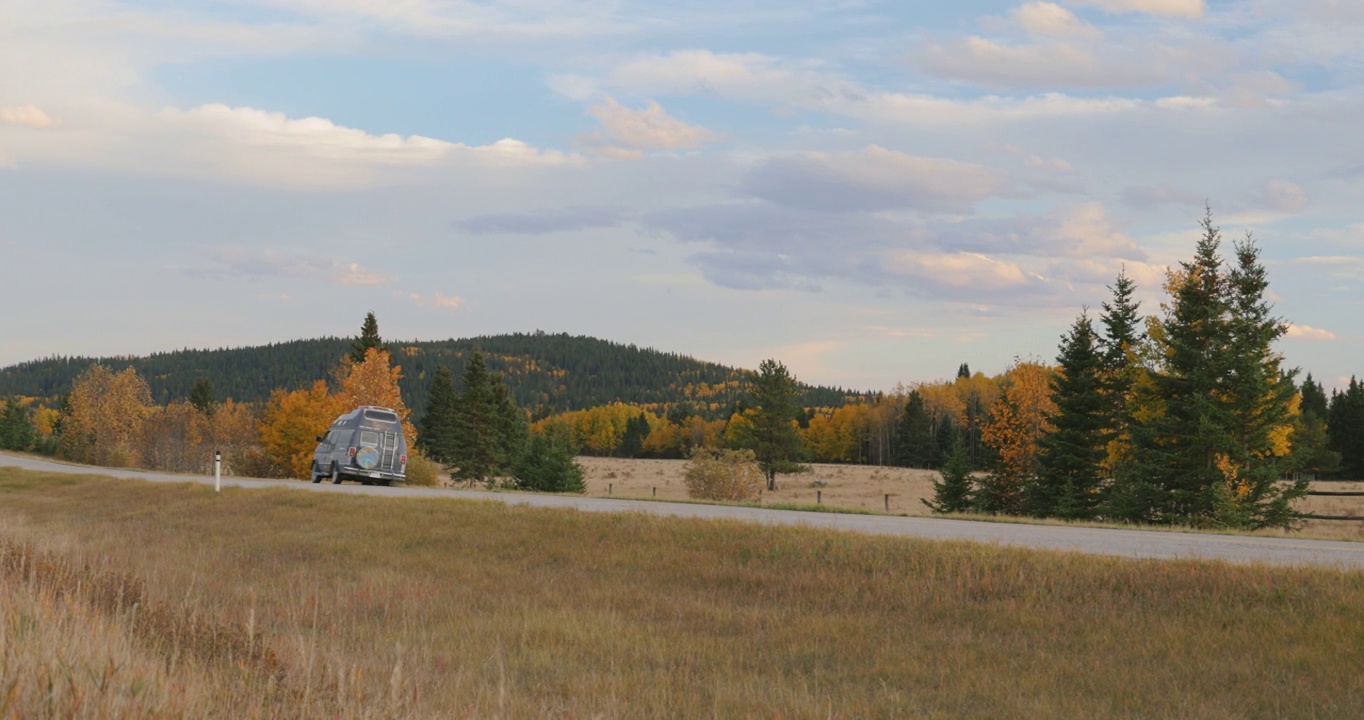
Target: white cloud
x,y
1169,8
272,148
467,19
27,116
1307,332
437,301
1282,196
7,162
786,84
873,178
355,274
1050,19
1080,231
254,264
630,132
958,270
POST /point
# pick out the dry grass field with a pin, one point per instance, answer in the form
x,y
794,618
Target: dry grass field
x,y
864,487
129,599
860,487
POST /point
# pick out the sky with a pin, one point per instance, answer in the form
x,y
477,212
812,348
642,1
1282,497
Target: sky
x,y
870,192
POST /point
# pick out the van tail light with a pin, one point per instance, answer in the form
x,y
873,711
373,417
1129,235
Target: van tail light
x,y
351,452
403,459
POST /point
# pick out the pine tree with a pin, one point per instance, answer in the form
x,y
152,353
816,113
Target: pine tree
x,y
915,443
16,427
963,371
490,431
1262,403
1215,449
550,463
953,494
1313,397
201,397
632,440
1345,427
1071,454
771,431
436,436
369,339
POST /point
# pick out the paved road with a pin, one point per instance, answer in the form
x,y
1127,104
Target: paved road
x,y
1099,541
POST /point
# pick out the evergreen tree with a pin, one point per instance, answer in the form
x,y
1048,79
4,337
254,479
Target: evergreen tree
x,y
1345,427
1070,455
1181,446
771,431
201,397
915,443
16,427
632,440
1214,451
953,494
369,338
945,437
436,432
963,371
1122,333
489,430
550,463
1260,396
1313,397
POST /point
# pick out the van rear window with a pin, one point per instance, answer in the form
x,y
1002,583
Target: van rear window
x,y
369,438
381,416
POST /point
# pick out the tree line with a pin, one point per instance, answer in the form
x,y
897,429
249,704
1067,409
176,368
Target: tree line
x,y
545,373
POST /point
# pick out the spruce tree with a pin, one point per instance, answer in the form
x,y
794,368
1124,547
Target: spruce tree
x,y
436,432
1260,397
201,396
550,463
1313,397
771,431
1345,427
953,494
1070,455
1179,450
489,430
632,440
1213,452
915,443
16,428
369,338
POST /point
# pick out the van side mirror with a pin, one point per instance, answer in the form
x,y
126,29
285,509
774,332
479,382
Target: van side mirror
x,y
319,438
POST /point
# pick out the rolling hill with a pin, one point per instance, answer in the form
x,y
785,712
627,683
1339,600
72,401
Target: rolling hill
x,y
546,373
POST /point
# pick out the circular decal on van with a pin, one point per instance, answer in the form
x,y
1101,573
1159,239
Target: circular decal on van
x,y
367,458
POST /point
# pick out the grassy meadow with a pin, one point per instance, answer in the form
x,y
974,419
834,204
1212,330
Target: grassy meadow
x,y
130,599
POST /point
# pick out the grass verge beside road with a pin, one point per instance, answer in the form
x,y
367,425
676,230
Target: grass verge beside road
x,y
306,604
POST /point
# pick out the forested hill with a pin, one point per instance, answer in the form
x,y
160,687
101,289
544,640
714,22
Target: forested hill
x,y
546,372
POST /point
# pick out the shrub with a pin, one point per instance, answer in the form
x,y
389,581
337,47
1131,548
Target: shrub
x,y
423,471
715,474
550,464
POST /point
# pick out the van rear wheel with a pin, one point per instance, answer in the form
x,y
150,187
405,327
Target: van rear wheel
x,y
336,475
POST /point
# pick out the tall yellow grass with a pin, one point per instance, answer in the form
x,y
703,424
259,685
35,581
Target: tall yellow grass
x,y
341,606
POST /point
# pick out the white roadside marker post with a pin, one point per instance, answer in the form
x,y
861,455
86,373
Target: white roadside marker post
x,y
217,471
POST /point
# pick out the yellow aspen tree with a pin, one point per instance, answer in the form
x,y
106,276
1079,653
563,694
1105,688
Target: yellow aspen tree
x,y
291,423
105,411
1017,421
375,382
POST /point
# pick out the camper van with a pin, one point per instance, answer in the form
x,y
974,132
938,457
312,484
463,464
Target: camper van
x,y
366,445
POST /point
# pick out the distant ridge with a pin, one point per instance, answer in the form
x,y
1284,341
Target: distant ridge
x,y
546,373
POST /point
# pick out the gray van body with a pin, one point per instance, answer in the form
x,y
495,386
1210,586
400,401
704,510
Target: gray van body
x,y
366,444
